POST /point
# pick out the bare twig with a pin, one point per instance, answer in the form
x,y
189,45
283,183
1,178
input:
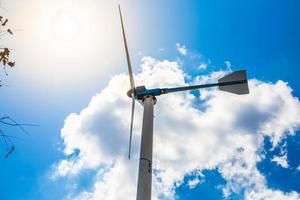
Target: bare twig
x,y
10,147
8,121
11,122
4,62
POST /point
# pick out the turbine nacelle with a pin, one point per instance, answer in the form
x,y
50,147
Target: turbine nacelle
x,y
141,91
132,93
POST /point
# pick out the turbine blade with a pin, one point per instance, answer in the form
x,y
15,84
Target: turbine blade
x,y
131,126
127,52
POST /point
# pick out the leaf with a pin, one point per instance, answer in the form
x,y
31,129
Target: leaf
x,y
4,23
9,31
4,61
4,53
11,64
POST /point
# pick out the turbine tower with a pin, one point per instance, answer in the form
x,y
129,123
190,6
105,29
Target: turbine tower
x,y
235,82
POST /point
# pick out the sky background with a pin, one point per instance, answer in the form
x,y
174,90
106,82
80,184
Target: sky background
x,y
69,54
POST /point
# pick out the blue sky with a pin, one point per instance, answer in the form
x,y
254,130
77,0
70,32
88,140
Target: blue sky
x,y
52,80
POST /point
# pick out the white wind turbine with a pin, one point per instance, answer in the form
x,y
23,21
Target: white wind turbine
x,y
235,82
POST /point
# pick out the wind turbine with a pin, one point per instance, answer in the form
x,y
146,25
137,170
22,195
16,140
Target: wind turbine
x,y
235,82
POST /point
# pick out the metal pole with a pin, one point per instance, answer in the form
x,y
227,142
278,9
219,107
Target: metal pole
x,y
145,165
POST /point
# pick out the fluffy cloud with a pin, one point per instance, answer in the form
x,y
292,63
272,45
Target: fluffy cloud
x,y
224,132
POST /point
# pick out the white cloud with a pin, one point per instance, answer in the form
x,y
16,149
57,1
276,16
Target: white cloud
x,y
281,160
181,49
225,134
193,183
203,66
298,168
112,184
268,194
228,65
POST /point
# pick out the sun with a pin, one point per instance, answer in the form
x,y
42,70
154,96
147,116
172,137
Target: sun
x,y
66,27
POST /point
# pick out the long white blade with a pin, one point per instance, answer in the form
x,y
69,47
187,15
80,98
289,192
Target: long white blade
x,y
131,126
127,52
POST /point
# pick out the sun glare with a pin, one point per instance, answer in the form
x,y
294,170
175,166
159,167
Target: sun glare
x,y
68,40
66,27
